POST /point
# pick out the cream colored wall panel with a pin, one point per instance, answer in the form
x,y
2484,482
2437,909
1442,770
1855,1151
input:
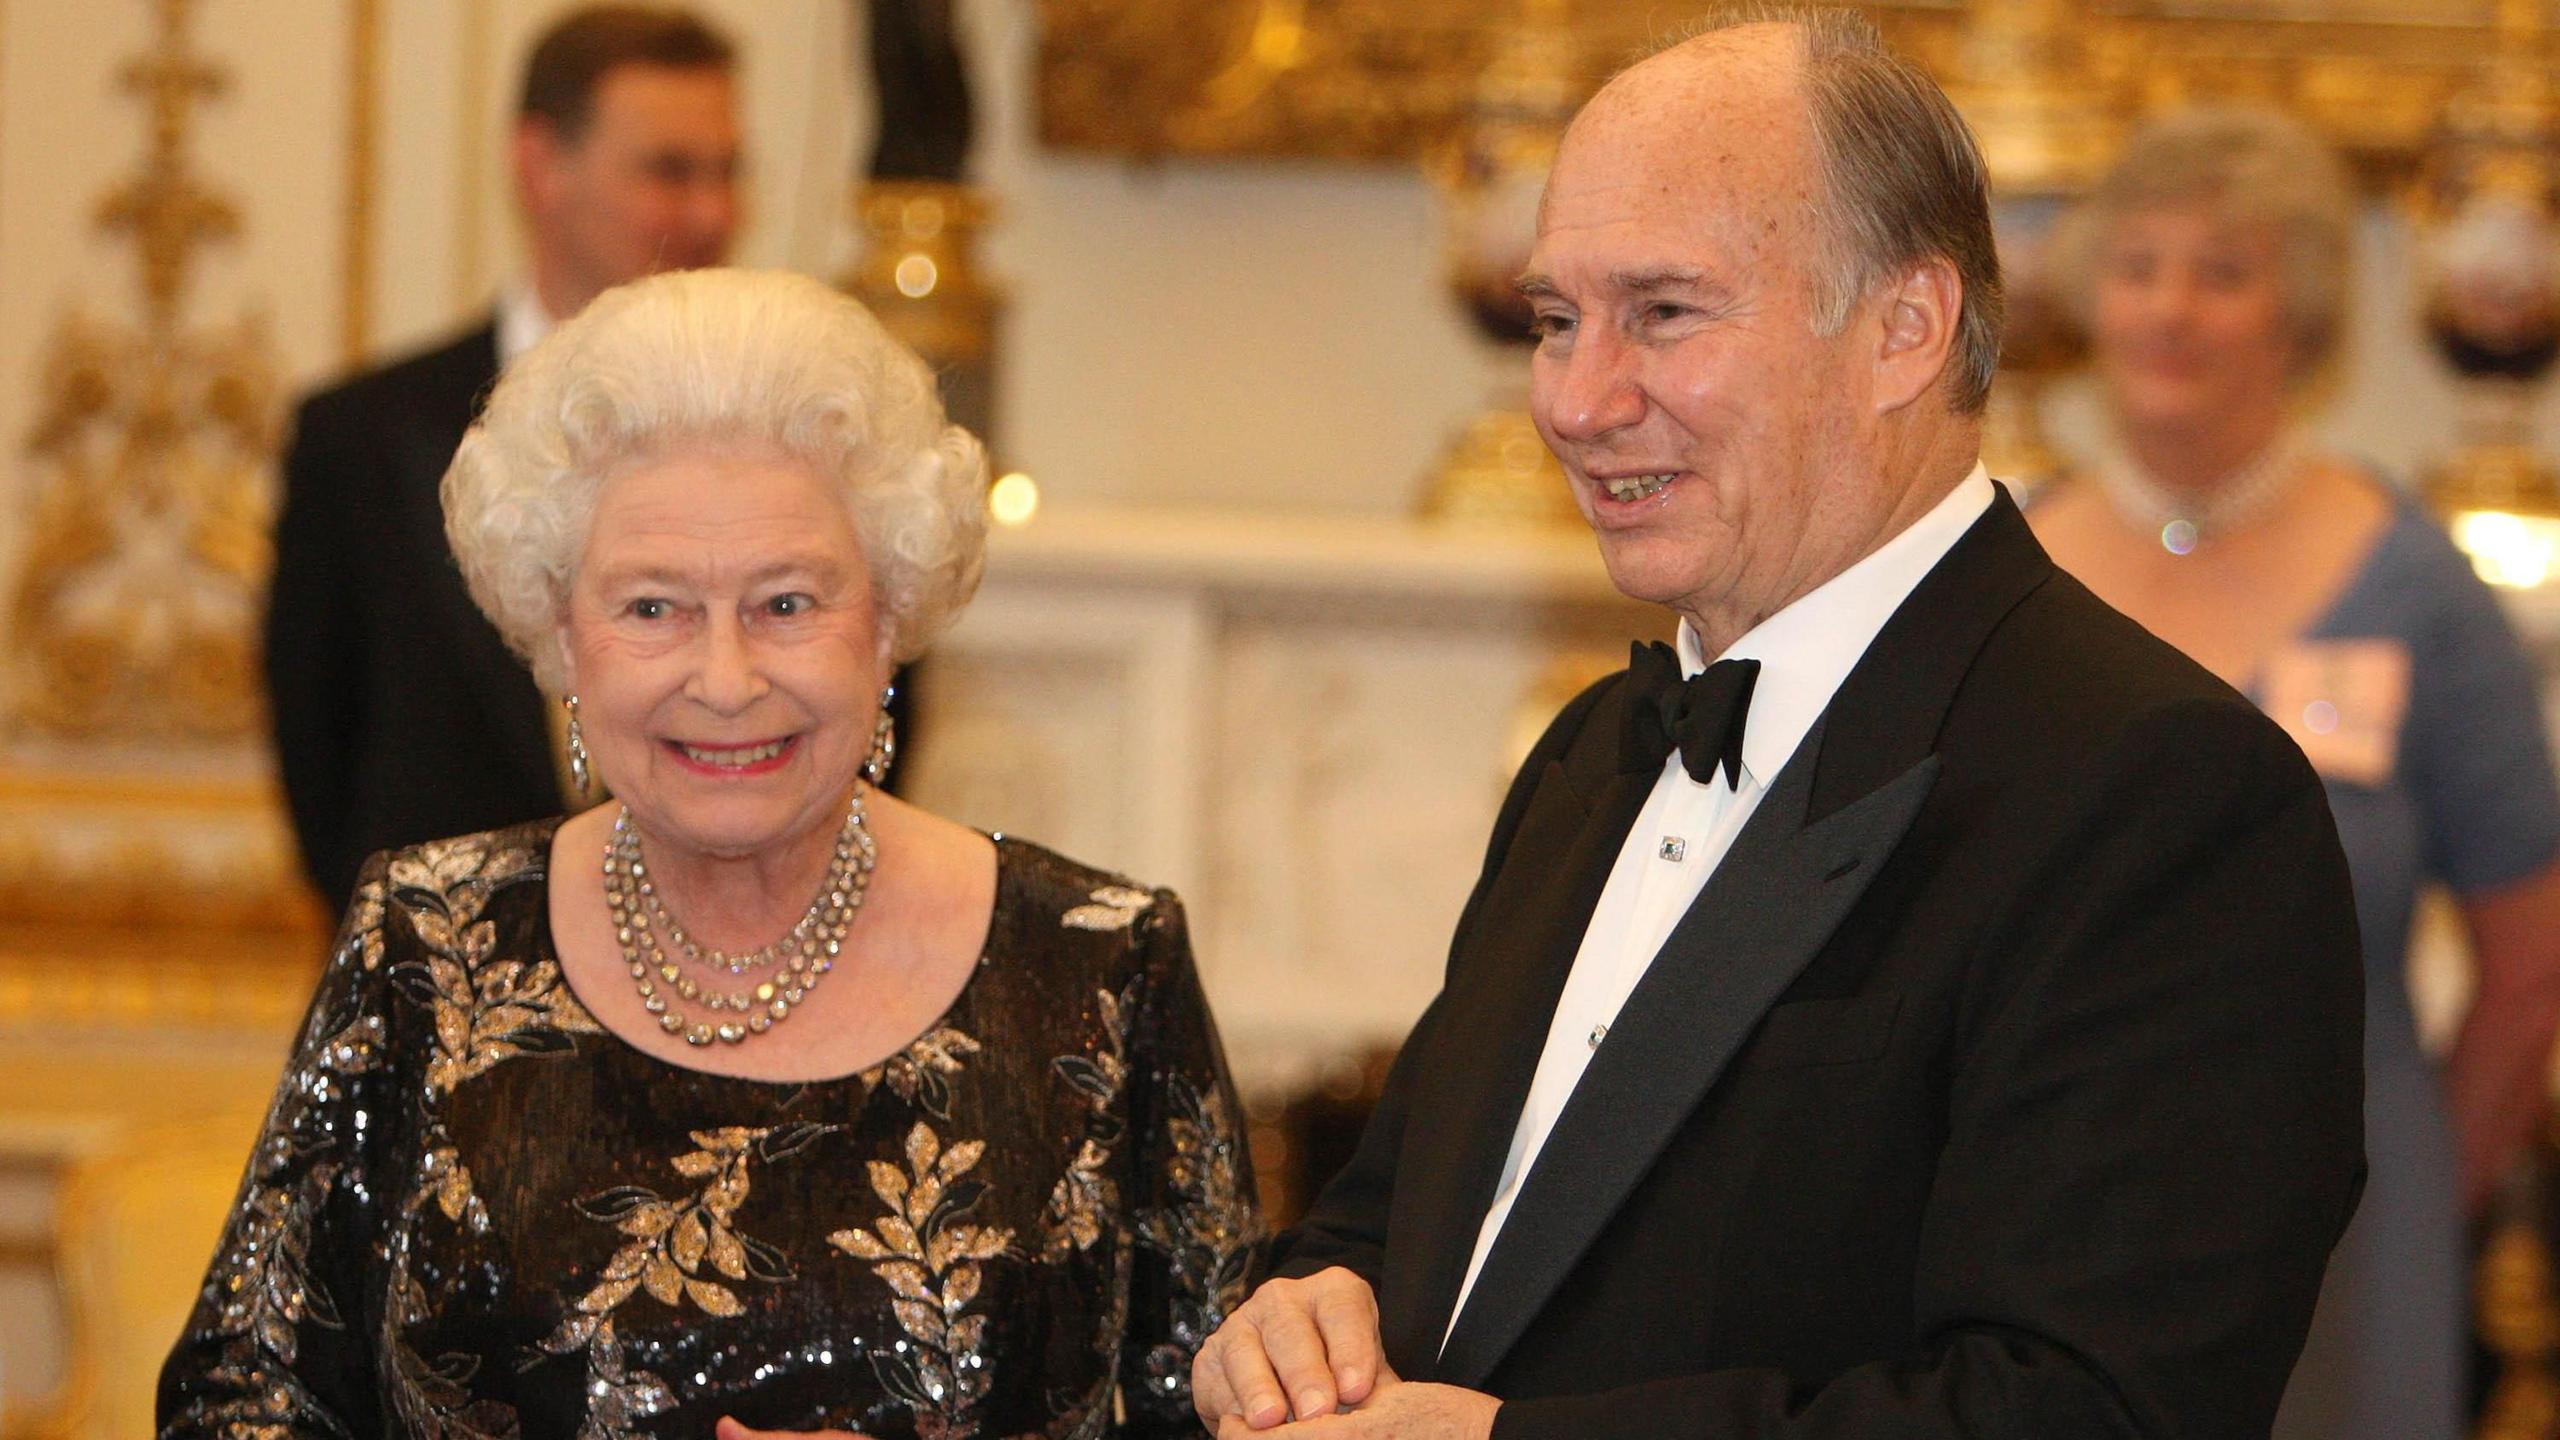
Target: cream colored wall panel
x,y
1251,334
421,285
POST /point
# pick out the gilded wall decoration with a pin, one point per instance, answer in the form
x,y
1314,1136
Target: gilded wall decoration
x,y
1386,79
151,450
364,143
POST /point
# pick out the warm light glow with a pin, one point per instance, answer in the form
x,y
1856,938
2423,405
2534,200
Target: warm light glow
x,y
917,275
2516,551
1014,499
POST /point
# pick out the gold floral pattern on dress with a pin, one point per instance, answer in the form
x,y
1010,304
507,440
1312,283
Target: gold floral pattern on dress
x,y
673,1240
1208,1235
1086,1197
449,1180
619,1396
260,1285
1113,907
434,1401
424,1213
928,1251
922,1073
488,1007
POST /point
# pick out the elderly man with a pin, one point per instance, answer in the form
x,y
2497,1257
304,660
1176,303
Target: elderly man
x,y
399,714
1935,1015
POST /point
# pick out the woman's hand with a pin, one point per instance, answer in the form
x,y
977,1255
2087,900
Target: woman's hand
x,y
729,1429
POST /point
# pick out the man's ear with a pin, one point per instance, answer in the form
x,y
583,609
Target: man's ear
x,y
535,153
1921,315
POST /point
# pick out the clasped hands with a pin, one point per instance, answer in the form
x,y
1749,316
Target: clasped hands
x,y
1308,1351
1299,1358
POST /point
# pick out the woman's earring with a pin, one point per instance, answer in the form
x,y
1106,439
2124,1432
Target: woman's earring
x,y
884,741
579,774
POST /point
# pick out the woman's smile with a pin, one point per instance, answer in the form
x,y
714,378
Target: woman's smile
x,y
726,760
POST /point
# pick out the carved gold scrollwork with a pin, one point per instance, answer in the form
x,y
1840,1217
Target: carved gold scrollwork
x,y
152,444
1387,79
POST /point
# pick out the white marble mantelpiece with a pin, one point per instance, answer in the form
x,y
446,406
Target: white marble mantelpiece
x,y
1302,723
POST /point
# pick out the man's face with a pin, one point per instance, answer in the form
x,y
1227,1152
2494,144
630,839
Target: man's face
x,y
1716,444
652,184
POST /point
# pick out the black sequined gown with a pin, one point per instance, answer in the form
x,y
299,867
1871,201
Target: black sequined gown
x,y
475,1213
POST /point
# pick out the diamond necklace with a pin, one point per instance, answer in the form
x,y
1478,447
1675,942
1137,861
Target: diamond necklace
x,y
646,930
2183,519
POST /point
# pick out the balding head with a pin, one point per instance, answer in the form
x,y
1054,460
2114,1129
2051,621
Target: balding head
x,y
1750,374
1707,113
1890,172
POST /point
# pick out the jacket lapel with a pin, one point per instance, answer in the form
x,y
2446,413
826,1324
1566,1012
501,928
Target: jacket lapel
x,y
1831,819
1763,914
1488,1043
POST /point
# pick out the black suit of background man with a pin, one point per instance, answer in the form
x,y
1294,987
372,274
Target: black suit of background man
x,y
399,713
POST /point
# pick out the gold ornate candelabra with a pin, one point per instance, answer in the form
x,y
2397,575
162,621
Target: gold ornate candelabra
x,y
918,217
2025,77
2487,198
1498,471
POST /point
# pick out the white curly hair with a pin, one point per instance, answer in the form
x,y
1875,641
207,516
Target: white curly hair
x,y
718,358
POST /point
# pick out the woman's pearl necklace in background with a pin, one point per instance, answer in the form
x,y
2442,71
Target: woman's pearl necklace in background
x,y
2183,520
647,931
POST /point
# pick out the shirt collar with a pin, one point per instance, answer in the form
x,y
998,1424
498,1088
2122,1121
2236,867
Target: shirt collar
x,y
522,322
1808,648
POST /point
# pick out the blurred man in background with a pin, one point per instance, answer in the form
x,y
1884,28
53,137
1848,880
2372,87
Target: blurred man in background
x,y
626,161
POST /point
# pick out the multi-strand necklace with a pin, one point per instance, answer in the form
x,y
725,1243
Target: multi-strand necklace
x,y
2181,519
659,951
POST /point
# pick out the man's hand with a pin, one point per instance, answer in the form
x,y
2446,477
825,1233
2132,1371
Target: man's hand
x,y
1397,1411
729,1429
1297,1347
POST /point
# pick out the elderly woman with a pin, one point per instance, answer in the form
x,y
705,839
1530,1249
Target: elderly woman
x,y
754,1097
2211,267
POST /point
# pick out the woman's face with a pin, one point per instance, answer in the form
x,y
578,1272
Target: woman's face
x,y
722,642
2189,327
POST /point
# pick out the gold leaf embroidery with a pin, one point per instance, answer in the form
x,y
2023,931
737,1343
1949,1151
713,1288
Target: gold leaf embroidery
x,y
714,1298
1113,908
727,1255
929,1258
1074,1217
673,1240
486,1010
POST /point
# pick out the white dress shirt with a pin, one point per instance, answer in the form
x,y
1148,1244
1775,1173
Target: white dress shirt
x,y
1685,828
522,322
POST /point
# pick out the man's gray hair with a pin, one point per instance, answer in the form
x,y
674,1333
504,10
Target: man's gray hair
x,y
1904,179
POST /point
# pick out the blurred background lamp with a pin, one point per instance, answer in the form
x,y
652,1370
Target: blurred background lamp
x,y
1013,499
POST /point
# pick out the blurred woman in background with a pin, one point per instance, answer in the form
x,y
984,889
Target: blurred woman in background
x,y
2211,269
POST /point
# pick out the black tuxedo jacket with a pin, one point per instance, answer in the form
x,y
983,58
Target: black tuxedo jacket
x,y
2003,1082
399,714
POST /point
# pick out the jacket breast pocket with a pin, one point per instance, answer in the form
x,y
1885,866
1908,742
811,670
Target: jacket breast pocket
x,y
1842,1031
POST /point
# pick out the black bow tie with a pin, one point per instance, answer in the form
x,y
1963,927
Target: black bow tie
x,y
1702,715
